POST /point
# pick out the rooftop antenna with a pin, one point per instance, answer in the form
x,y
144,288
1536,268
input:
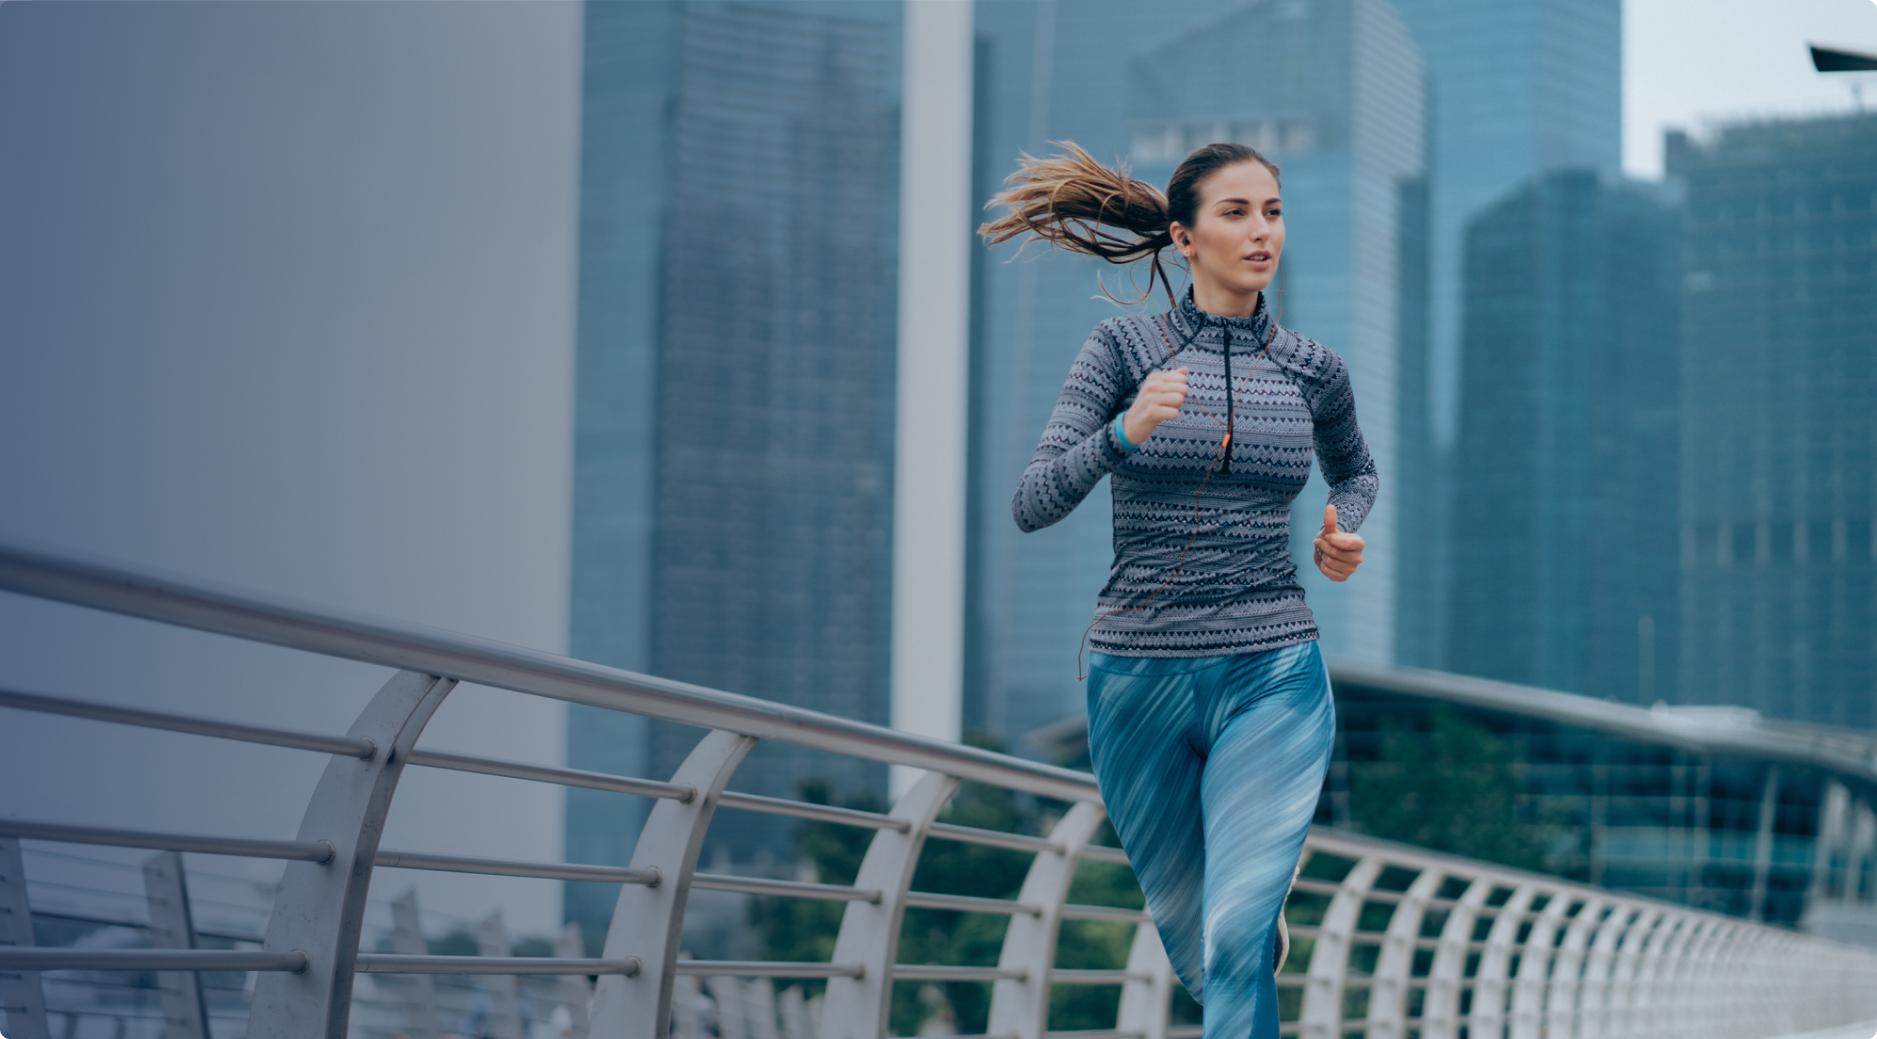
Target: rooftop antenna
x,y
1832,59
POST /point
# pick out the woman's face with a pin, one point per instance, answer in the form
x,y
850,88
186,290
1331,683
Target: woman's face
x,y
1238,229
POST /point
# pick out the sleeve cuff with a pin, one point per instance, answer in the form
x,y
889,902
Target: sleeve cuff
x,y
1117,440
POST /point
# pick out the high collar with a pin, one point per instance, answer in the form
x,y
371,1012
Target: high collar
x,y
1213,329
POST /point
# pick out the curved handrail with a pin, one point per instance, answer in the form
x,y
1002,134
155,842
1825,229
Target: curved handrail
x,y
1614,962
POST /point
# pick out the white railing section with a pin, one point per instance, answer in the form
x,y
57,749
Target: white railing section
x,y
1387,939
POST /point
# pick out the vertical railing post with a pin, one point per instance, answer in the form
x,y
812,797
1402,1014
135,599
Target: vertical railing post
x,y
1020,1006
572,990
321,905
1529,1014
794,1013
1440,1013
20,991
856,1008
1490,982
732,1003
1678,1005
1594,992
1749,988
1147,997
1648,993
1394,968
407,938
1622,996
1723,994
1708,985
185,1013
1322,1016
648,919
1561,1006
504,989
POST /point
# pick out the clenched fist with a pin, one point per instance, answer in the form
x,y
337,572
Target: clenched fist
x,y
1158,400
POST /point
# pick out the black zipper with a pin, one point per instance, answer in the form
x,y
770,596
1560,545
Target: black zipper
x,y
1230,425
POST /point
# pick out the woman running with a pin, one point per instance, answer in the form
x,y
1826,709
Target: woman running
x,y
1210,714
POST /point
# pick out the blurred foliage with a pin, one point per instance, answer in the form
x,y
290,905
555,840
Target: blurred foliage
x,y
1455,787
804,929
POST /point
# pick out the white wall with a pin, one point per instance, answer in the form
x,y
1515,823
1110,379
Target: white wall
x,y
286,304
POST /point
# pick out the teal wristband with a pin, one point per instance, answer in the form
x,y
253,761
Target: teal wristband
x,y
1121,434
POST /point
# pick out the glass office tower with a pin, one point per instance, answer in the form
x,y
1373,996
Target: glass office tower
x,y
1778,499
735,401
1565,560
1516,88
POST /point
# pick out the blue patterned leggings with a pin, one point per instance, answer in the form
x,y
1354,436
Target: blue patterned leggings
x,y
1211,767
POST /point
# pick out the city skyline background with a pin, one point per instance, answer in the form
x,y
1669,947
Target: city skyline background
x,y
189,270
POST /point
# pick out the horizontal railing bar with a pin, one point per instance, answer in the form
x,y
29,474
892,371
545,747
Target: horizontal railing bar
x,y
511,868
946,972
62,577
1355,846
1192,1032
122,1014
788,888
88,982
970,903
557,776
974,1035
295,851
1096,977
17,957
140,925
766,969
992,838
1094,1033
1088,912
402,963
347,746
810,810
1433,902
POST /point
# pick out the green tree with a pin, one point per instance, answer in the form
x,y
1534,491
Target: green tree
x,y
1454,788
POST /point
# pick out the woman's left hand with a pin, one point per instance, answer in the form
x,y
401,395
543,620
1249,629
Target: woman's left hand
x,y
1337,553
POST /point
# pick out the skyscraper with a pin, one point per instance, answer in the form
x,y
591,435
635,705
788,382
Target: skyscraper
x,y
1564,524
1517,88
739,244
1777,546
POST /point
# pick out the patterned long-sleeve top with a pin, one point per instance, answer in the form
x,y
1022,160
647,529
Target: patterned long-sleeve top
x,y
1236,590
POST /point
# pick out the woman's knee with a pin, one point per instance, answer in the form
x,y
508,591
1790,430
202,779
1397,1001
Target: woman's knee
x,y
1239,941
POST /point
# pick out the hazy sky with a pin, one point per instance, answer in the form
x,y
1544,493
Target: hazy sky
x,y
288,292
1685,60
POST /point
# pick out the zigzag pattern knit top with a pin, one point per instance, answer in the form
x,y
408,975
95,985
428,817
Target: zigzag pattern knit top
x,y
1236,589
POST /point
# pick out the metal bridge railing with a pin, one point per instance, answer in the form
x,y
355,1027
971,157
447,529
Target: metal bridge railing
x,y
1389,939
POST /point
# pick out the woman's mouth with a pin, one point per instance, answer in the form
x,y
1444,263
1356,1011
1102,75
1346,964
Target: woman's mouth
x,y
1259,258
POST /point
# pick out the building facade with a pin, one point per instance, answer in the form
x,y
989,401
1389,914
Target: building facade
x,y
1778,494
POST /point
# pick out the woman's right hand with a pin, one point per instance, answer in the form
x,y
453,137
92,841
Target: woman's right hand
x,y
1158,400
